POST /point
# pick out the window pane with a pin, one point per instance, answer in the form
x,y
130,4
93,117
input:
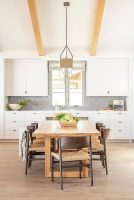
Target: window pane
x,y
58,87
75,87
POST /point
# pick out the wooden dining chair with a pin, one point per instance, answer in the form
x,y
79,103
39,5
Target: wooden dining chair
x,y
33,151
34,147
100,148
70,151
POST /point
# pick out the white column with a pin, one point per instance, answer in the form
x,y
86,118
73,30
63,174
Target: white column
x,y
1,98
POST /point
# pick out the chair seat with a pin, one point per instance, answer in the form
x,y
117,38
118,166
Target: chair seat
x,y
38,149
95,148
72,156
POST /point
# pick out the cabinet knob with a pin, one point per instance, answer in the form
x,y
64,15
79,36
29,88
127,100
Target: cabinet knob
x,y
25,92
108,92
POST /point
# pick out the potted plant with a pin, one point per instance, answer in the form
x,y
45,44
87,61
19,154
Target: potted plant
x,y
67,119
21,103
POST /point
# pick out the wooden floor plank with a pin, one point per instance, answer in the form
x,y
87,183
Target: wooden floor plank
x,y
118,185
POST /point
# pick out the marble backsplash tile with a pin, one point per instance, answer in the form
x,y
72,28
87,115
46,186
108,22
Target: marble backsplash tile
x,y
44,103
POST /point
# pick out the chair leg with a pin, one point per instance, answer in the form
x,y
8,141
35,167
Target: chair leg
x,y
26,162
61,177
52,169
90,163
105,157
26,165
80,169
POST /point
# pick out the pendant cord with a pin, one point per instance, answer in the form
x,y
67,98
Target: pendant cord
x,y
66,31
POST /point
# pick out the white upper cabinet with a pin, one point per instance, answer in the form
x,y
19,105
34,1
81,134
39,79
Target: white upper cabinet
x,y
26,78
107,77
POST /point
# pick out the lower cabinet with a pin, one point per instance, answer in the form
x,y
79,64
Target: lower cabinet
x,y
118,122
12,129
14,120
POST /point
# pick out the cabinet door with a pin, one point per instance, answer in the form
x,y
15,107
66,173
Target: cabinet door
x,y
118,77
36,78
15,78
107,77
97,82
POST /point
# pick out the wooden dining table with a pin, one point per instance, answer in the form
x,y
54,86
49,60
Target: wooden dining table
x,y
51,129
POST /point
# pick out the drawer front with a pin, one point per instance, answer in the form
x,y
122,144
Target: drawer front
x,y
11,134
34,116
98,116
12,129
119,116
120,125
14,116
119,134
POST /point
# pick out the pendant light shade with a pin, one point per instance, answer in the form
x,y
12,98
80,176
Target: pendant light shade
x,y
66,57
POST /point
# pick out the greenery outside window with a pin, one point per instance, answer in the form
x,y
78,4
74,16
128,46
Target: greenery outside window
x,y
67,85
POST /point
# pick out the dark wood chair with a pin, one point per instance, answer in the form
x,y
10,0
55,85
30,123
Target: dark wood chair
x,y
70,151
35,149
100,149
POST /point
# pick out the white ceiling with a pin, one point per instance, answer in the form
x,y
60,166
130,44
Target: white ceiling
x,y
117,31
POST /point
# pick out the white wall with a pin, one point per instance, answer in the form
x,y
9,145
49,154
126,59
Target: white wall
x,y
1,98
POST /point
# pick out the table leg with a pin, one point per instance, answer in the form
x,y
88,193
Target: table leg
x,y
47,157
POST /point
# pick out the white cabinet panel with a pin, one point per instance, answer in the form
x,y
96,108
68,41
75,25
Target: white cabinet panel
x,y
26,77
14,116
15,78
119,116
12,129
119,134
107,77
36,79
34,116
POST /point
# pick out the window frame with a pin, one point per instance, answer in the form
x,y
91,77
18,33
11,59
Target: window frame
x,y
67,92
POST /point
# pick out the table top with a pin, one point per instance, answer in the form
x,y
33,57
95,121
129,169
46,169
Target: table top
x,y
51,128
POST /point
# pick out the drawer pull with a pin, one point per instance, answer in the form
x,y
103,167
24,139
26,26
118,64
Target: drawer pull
x,y
14,130
98,113
119,113
14,113
120,122
14,121
120,130
35,113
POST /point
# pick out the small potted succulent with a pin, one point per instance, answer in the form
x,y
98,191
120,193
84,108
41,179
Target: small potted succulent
x,y
67,119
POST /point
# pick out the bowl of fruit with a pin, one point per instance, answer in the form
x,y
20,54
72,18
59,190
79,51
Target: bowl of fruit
x,y
67,120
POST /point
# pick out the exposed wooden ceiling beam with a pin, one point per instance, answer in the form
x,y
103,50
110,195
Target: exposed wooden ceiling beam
x,y
36,27
97,26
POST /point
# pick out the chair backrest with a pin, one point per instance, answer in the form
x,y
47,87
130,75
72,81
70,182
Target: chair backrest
x,y
35,124
74,142
98,125
31,129
105,132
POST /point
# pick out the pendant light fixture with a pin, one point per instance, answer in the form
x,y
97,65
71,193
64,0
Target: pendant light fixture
x,y
66,57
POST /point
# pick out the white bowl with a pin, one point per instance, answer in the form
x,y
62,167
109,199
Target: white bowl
x,y
14,106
